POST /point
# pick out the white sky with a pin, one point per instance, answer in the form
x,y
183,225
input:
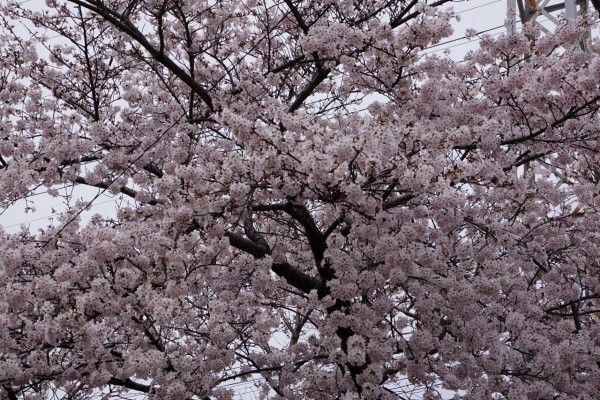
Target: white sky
x,y
481,15
478,14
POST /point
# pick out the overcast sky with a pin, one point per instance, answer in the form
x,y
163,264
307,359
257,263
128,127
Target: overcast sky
x,y
478,14
482,15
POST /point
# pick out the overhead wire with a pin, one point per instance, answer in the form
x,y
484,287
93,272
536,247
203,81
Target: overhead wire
x,y
479,6
52,215
463,37
468,38
464,11
468,41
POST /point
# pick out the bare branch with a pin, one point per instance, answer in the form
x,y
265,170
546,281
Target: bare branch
x,y
123,189
124,24
403,18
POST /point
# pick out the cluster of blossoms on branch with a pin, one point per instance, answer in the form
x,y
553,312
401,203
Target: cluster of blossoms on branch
x,y
310,204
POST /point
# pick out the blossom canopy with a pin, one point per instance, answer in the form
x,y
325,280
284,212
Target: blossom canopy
x,y
307,203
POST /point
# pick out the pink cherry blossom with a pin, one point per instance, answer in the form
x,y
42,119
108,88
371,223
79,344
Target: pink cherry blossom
x,y
308,204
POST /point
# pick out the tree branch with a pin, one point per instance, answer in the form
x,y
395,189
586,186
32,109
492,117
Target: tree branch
x,y
10,393
124,24
398,201
247,245
399,18
572,113
269,207
334,225
153,169
402,17
307,91
292,275
288,64
297,16
123,189
297,278
129,384
254,235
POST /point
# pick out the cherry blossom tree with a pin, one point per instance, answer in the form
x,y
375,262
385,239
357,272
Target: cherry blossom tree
x,y
310,203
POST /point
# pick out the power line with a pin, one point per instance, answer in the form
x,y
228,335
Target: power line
x,y
479,6
468,41
463,37
52,215
464,11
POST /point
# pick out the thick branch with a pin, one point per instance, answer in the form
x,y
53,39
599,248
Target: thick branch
x,y
288,64
309,89
334,225
402,17
301,214
297,278
124,24
103,185
269,207
153,339
247,245
298,212
398,201
292,275
153,169
123,189
10,393
129,384
254,235
297,16
315,238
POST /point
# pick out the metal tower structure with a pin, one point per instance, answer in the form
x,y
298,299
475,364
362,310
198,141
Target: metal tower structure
x,y
529,10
